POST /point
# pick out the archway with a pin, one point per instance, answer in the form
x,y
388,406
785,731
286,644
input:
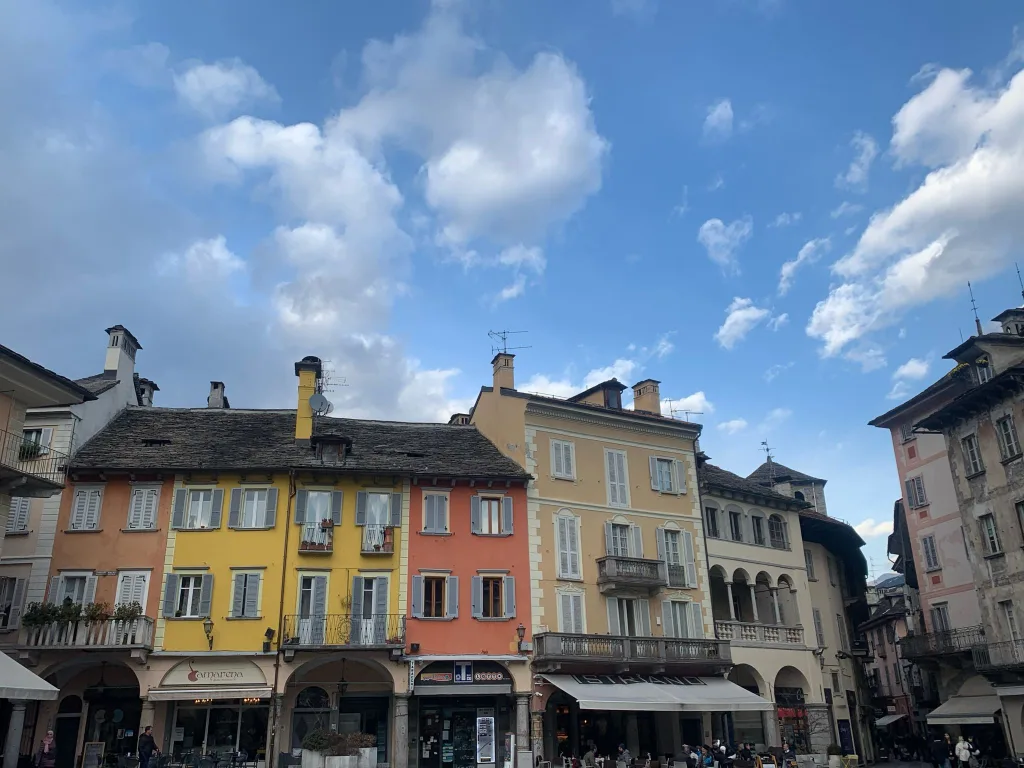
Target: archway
x,y
748,726
789,613
791,693
742,595
763,592
719,594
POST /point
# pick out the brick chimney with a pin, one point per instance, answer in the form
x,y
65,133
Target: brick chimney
x,y
309,370
504,371
647,396
217,398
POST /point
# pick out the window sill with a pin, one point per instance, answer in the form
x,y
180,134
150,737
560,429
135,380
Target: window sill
x,y
492,535
140,530
243,618
580,578
1011,459
8,534
186,618
811,578
250,528
195,530
994,555
435,533
935,569
979,473
435,618
83,530
494,618
563,477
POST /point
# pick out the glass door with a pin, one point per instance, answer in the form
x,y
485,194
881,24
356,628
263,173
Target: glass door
x,y
312,625
373,625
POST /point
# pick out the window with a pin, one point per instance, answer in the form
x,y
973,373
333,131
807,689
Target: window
x,y
711,522
35,443
735,526
132,587
799,495
618,480
972,456
675,549
990,535
12,595
255,504
77,587
435,597
940,617
85,509
757,524
245,595
906,432
666,475
1010,617
563,459
491,603
189,592
315,506
844,641
1009,445
777,532
142,508
568,536
570,613
836,683
618,541
682,619
629,617
983,369
931,555
198,509
809,563
915,492
17,518
187,595
494,597
831,570
1019,506
819,629
888,680
435,513
491,516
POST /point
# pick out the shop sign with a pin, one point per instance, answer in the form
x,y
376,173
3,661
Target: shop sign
x,y
215,671
792,712
634,679
463,671
489,677
435,677
891,709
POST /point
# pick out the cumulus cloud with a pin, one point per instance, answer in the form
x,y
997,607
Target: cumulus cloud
x,y
914,369
809,253
856,176
774,419
695,404
722,240
786,219
741,317
962,222
868,356
718,122
622,369
774,371
205,261
870,529
733,426
222,89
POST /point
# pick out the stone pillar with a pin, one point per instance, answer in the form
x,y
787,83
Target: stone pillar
x,y
400,729
753,601
775,605
632,735
537,733
148,716
14,729
771,728
732,607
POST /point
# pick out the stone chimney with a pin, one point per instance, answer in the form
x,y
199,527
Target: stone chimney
x,y
217,398
647,396
309,370
459,419
504,371
146,388
121,348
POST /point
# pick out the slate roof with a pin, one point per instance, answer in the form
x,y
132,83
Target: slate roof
x,y
885,613
976,399
72,386
781,473
955,376
227,439
716,477
97,384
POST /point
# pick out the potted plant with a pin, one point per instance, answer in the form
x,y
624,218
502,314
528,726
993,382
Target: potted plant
x,y
29,451
834,753
96,612
128,611
314,748
326,524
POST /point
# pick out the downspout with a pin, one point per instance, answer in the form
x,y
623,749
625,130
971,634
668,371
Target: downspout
x,y
275,709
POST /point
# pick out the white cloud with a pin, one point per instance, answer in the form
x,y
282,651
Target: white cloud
x,y
205,262
778,321
856,176
915,368
900,391
513,290
521,257
622,369
869,529
223,88
741,318
809,253
733,426
773,372
868,357
962,222
786,219
683,205
542,384
663,348
718,122
774,419
845,208
716,183
722,241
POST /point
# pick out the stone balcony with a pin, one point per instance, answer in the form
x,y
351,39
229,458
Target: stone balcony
x,y
756,635
616,574
557,650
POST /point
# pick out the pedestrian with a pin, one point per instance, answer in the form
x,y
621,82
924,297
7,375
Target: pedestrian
x,y
147,746
963,752
47,755
624,756
938,752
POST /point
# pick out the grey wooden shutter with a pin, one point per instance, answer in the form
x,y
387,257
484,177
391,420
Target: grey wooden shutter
x,y
51,597
170,595
659,535
238,595
357,607
569,456
678,477
655,486
644,609
577,613
89,594
337,499
319,614
149,509
562,524
510,596
474,514
396,510
135,506
14,618
270,520
78,510
417,597
613,616
507,516
235,509
301,499
608,537
361,508
206,594
564,612
429,505
477,597
668,622
453,597
380,597
637,541
252,594
216,507
696,621
689,560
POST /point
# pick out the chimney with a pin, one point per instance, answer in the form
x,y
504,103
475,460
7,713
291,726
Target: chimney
x,y
121,348
309,370
146,389
459,419
217,399
504,371
647,396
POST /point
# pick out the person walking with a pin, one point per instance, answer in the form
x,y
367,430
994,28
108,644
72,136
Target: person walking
x,y
963,753
46,757
147,746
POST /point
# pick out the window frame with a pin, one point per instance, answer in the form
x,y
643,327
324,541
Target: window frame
x,y
44,443
494,515
576,523
917,495
942,611
558,449
735,532
197,592
144,488
757,526
809,564
783,533
1008,450
188,509
990,535
20,510
971,450
907,432
90,488
621,532
247,574
442,599
624,481
490,582
931,554
10,616
711,513
571,595
447,529
819,627
258,522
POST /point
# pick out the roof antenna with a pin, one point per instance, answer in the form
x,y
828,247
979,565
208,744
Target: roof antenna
x,y
771,467
1020,280
499,341
686,412
977,322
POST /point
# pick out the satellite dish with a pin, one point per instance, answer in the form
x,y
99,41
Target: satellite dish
x,y
330,409
320,404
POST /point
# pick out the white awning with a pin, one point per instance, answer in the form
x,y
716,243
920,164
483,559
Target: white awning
x,y
210,692
17,682
659,693
888,720
965,710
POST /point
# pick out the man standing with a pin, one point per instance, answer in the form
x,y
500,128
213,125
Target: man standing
x,y
147,746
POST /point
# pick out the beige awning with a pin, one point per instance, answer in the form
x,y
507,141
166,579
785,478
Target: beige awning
x,y
17,682
210,692
659,693
965,710
888,720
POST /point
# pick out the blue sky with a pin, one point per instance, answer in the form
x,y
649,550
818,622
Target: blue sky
x,y
771,206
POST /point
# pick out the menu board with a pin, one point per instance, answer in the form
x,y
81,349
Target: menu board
x,y
92,754
485,746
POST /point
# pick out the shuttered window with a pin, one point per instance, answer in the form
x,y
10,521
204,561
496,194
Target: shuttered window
x,y
915,492
142,508
972,455
563,459
931,556
17,518
435,513
617,478
819,629
12,598
568,535
570,613
245,594
666,475
1009,445
85,509
132,587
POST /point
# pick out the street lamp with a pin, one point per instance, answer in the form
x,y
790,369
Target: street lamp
x,y
208,629
521,633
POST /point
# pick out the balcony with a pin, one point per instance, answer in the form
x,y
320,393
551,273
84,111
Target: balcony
x,y
742,633
316,539
630,573
948,643
28,469
676,576
554,650
378,540
337,630
135,635
995,656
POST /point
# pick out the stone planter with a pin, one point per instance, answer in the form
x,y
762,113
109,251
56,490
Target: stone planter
x,y
342,761
367,757
311,759
835,761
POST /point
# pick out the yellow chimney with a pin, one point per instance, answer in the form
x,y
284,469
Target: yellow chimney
x,y
309,370
647,396
504,372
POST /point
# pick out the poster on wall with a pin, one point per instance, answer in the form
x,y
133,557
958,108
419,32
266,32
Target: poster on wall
x,y
485,746
92,754
510,749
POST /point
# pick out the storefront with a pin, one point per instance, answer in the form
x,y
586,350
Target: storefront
x,y
792,712
461,715
314,711
215,706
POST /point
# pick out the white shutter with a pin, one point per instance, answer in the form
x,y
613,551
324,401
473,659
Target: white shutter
x,y
45,439
616,461
149,508
577,614
557,462
92,510
135,509
613,615
17,518
561,529
655,485
689,560
678,477
78,509
636,541
696,621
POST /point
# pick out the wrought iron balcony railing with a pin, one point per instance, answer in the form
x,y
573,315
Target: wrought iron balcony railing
x,y
378,540
43,469
1006,655
316,538
952,641
335,630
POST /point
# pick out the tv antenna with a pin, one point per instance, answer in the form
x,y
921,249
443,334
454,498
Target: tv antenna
x,y
771,466
1019,280
686,412
499,341
329,380
974,306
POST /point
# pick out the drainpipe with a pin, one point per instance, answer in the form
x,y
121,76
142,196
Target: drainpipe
x,y
275,709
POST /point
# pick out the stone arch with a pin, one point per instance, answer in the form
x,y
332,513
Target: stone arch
x,y
789,611
791,678
742,595
720,610
746,676
763,598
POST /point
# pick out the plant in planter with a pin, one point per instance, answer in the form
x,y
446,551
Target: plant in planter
x,y
326,524
30,451
128,611
314,748
69,612
39,615
834,753
96,612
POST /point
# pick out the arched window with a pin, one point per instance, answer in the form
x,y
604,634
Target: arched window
x,y
777,532
69,705
312,712
799,495
313,698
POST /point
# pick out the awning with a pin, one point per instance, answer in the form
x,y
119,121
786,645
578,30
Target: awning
x,y
965,710
659,693
17,682
888,720
460,689
209,692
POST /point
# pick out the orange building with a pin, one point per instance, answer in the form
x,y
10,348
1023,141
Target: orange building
x,y
469,621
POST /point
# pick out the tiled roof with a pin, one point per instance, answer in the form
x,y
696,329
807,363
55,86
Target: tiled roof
x,y
716,477
781,473
97,384
225,439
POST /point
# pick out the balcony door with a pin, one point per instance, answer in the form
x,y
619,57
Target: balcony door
x,y
629,616
312,605
369,610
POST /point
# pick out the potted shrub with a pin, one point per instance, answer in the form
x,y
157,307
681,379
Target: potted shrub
x,y
834,753
314,748
352,750
96,612
30,451
128,611
326,524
